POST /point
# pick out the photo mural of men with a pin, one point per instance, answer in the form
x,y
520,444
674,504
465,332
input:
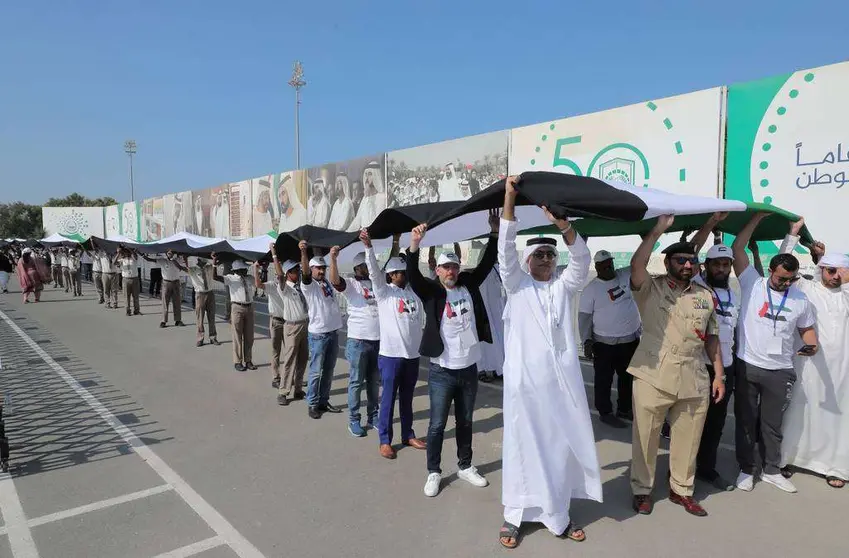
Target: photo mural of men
x,y
265,218
319,210
452,170
291,191
342,213
373,195
220,214
348,195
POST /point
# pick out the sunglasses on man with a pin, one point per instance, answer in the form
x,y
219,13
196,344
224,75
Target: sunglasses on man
x,y
786,280
545,255
681,260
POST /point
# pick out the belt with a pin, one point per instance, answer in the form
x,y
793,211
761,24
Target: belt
x,y
171,280
241,303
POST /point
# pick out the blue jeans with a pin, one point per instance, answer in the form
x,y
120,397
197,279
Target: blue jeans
x,y
399,377
362,363
324,349
444,387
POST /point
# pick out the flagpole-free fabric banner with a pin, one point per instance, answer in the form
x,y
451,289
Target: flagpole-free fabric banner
x,y
177,213
129,220
788,144
347,196
80,221
671,144
290,200
152,219
241,212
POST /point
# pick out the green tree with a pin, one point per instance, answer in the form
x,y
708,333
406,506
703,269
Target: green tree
x,y
78,200
20,220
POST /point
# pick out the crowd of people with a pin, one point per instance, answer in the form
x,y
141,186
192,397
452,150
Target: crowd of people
x,y
679,343
428,185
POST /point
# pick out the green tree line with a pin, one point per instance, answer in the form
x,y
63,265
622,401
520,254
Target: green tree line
x,y
22,220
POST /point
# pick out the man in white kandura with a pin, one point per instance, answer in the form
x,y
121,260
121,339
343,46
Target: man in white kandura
x,y
816,426
549,450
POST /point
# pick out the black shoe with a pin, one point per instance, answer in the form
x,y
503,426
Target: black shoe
x,y
275,383
314,413
163,325
250,366
239,367
665,430
180,324
200,343
137,313
610,420
214,342
283,400
715,479
300,395
626,415
329,409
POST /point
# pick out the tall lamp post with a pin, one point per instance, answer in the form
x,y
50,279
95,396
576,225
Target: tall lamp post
x,y
130,150
297,82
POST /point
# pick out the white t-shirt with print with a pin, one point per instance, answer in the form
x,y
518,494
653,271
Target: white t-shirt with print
x,y
727,308
325,315
613,309
129,267
458,330
363,322
766,340
400,313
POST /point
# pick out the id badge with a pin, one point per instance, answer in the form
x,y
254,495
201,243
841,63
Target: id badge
x,y
468,339
774,345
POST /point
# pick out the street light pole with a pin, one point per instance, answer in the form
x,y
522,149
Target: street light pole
x,y
297,82
130,150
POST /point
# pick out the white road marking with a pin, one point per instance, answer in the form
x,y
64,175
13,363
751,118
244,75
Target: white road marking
x,y
20,536
194,548
223,528
58,516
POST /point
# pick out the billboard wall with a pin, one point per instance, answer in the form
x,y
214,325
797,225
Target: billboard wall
x,y
82,221
347,196
265,217
153,219
176,211
290,200
447,171
129,220
670,144
112,220
788,144
241,212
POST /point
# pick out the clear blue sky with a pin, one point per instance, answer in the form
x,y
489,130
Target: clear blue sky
x,y
201,84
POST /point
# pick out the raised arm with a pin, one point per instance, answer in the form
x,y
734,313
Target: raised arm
x,y
459,251
181,267
508,256
378,278
576,273
640,259
490,254
396,245
151,260
333,271
306,276
215,263
257,279
422,286
738,249
756,257
278,267
701,237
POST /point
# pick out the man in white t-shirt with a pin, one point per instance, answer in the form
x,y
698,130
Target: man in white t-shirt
x,y
401,318
363,343
128,263
172,293
323,332
242,293
110,279
773,312
74,272
202,275
609,323
97,273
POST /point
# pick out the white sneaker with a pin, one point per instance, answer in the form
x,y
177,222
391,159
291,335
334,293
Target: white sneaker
x,y
778,481
745,481
472,476
431,488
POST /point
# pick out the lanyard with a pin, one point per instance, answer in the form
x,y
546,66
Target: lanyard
x,y
722,305
775,313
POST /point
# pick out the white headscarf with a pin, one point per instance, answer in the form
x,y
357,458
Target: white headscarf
x,y
834,260
529,251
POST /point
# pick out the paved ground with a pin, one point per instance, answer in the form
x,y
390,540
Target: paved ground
x,y
128,441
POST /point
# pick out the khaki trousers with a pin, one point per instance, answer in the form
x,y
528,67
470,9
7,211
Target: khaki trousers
x,y
66,278
132,286
294,357
205,305
57,276
110,288
97,279
76,282
242,326
276,328
171,295
686,419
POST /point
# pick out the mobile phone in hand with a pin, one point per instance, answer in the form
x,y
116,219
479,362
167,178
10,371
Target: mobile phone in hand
x,y
806,350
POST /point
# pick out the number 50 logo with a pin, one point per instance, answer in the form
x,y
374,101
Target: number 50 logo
x,y
621,165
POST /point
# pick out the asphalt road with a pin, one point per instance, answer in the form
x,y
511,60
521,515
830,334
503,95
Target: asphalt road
x,y
127,441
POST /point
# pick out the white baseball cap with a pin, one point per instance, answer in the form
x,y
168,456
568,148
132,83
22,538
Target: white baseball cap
x,y
395,264
318,261
719,251
602,256
289,265
448,258
359,259
238,264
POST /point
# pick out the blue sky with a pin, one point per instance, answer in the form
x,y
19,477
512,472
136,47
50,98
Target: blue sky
x,y
201,84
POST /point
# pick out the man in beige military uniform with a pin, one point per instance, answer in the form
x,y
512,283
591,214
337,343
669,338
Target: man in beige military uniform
x,y
679,325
